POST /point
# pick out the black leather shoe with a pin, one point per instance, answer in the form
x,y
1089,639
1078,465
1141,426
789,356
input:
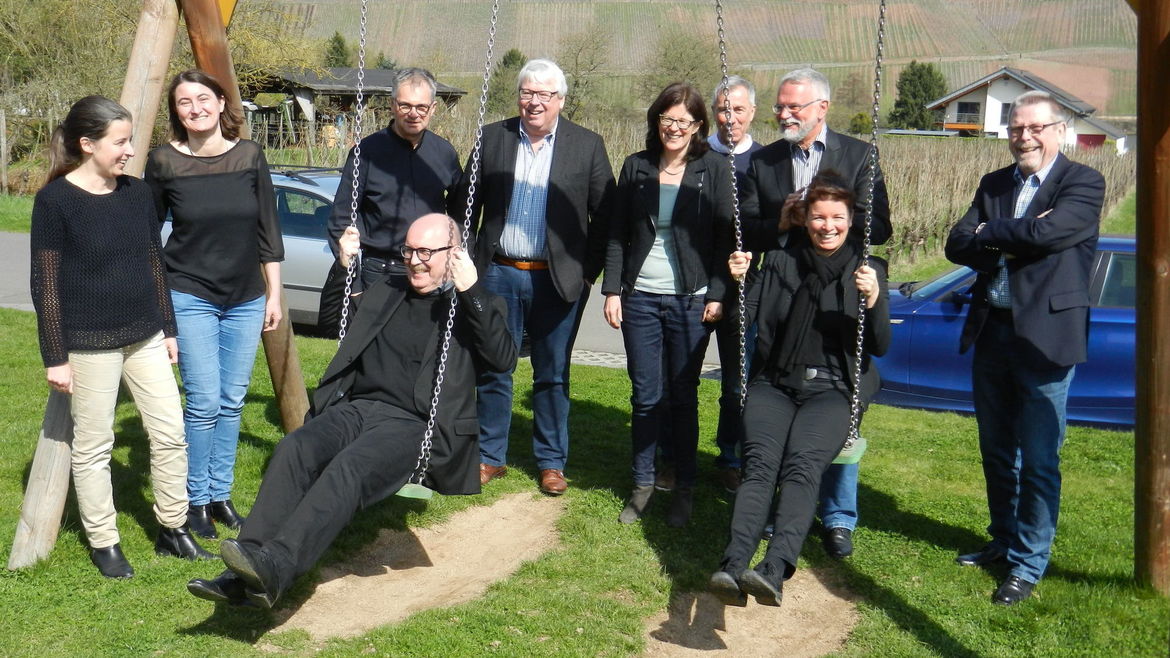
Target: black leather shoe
x,y
726,589
754,583
989,554
257,570
839,543
227,587
1012,590
224,512
111,562
199,521
177,542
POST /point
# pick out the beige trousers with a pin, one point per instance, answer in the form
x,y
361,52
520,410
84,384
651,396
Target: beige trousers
x,y
148,375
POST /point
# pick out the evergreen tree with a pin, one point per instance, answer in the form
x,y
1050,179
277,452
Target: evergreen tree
x,y
384,62
337,51
917,85
502,85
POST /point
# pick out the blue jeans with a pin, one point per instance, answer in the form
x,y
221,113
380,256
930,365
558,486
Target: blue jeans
x,y
217,349
838,497
533,304
1020,409
665,341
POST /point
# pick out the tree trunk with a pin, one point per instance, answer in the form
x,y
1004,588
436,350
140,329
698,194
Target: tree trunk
x,y
48,485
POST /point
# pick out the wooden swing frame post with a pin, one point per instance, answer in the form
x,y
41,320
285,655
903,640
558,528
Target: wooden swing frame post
x,y
1152,431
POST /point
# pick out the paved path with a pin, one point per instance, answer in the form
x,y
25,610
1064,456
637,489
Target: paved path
x,y
14,269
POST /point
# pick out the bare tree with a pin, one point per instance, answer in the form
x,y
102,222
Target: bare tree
x,y
582,56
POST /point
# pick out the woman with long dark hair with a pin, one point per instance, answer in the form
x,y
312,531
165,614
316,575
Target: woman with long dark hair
x,y
223,261
103,316
665,278
805,299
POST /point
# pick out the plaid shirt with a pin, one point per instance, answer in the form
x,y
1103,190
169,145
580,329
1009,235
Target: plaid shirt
x,y
999,294
524,234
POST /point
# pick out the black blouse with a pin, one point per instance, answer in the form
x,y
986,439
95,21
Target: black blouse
x,y
223,220
97,281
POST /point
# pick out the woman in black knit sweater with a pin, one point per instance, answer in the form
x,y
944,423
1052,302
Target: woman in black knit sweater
x,y
218,192
103,315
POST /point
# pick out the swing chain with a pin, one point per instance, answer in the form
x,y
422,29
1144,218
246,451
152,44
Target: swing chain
x,y
741,283
855,404
359,111
424,455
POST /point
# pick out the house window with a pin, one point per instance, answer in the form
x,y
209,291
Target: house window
x,y
1004,111
968,113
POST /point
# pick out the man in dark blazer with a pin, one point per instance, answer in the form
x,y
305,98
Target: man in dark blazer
x,y
1031,234
541,202
776,180
369,417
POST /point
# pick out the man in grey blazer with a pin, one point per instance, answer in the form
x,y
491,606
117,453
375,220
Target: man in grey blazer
x,y
776,180
541,202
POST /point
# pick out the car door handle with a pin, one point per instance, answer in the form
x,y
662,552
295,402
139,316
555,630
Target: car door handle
x,y
896,320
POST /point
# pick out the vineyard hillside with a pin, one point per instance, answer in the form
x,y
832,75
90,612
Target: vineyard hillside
x,y
1087,47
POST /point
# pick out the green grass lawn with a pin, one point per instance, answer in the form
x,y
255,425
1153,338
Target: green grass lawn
x,y
15,213
921,501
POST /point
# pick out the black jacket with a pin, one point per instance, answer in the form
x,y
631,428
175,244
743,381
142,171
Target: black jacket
x,y
770,294
479,342
701,224
1051,266
580,184
769,182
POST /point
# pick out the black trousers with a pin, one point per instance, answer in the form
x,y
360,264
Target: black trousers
x,y
353,455
790,438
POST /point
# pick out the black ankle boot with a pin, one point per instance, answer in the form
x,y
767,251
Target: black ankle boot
x,y
199,521
639,499
680,507
111,562
224,512
178,542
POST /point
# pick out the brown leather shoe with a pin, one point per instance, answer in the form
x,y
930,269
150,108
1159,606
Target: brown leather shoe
x,y
487,473
552,481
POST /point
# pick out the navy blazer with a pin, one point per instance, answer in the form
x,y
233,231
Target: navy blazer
x,y
769,182
580,187
700,224
771,291
480,341
1051,258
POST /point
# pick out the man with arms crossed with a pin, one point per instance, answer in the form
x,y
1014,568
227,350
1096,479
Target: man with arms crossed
x,y
1031,234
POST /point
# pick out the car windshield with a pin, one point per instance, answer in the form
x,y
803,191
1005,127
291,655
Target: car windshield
x,y
944,283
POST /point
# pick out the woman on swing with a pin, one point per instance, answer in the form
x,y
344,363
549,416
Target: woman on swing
x,y
797,416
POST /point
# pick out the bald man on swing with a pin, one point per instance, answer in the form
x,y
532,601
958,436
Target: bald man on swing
x,y
369,415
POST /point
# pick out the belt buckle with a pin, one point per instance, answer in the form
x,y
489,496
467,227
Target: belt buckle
x,y
810,373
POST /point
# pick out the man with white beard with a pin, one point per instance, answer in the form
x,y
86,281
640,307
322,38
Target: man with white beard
x,y
775,183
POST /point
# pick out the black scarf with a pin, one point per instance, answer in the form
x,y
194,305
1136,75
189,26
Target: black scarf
x,y
800,344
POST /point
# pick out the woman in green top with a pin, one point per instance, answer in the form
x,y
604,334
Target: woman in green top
x,y
670,234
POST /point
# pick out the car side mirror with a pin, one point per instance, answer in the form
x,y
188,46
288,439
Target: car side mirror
x,y
960,297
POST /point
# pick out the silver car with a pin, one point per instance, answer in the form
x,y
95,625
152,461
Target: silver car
x,y
304,201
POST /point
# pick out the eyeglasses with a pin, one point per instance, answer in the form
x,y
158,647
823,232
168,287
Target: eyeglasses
x,y
683,124
793,109
542,96
405,108
424,254
1018,131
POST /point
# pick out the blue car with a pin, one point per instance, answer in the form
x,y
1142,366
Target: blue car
x,y
924,369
